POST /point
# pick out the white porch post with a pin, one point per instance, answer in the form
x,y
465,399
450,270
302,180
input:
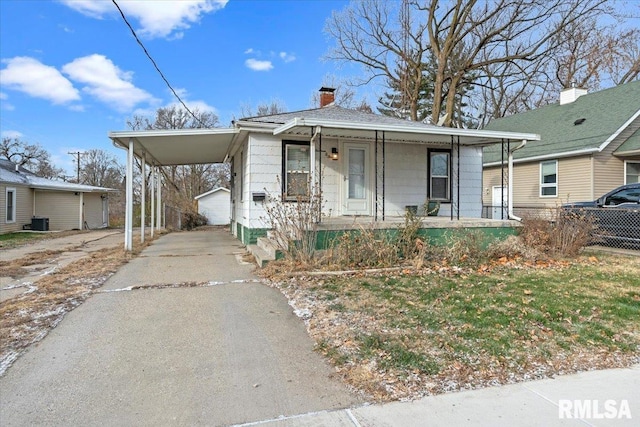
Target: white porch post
x,y
143,194
510,214
153,197
128,216
159,200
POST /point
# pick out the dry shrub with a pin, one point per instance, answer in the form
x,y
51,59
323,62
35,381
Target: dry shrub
x,y
363,247
512,247
566,233
191,220
294,224
463,246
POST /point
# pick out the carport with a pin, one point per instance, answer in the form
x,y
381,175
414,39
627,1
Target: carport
x,y
171,147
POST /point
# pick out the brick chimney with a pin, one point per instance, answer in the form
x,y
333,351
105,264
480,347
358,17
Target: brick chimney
x,y
327,96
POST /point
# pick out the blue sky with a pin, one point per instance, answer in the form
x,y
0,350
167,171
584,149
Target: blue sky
x,y
71,71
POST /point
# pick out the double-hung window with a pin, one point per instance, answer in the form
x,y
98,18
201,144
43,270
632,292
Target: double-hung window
x,y
10,207
439,175
549,178
296,170
632,172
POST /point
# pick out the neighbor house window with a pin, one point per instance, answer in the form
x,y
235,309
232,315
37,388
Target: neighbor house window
x,y
439,175
549,178
296,169
632,172
11,205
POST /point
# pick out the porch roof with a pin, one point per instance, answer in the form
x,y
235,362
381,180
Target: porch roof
x,y
178,146
409,132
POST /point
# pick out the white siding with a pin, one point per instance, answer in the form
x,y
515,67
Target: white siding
x,y
405,175
216,207
61,207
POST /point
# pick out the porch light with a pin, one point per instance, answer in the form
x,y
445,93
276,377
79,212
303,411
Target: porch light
x,y
334,153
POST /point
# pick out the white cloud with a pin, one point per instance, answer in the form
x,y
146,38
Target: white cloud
x,y
3,96
248,51
12,134
105,81
257,65
157,18
36,79
287,57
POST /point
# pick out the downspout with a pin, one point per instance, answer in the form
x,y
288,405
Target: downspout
x,y
510,189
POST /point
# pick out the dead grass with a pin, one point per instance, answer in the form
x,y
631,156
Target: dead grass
x,y
412,333
18,239
28,317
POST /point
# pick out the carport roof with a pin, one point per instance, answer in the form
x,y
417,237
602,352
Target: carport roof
x,y
178,146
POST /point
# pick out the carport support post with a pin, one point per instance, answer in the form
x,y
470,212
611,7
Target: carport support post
x,y
158,200
152,185
143,194
128,215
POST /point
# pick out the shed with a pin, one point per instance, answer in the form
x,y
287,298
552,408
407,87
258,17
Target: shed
x,y
215,205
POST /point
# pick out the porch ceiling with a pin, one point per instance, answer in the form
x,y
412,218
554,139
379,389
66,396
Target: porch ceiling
x,y
178,146
393,133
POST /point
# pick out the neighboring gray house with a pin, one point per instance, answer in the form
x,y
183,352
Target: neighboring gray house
x,y
368,166
68,206
590,144
215,205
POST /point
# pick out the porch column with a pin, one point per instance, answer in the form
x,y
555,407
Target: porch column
x,y
143,194
128,215
159,200
152,184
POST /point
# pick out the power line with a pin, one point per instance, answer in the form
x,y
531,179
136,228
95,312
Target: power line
x,y
156,65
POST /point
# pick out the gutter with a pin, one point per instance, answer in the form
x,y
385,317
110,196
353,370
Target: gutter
x,y
510,214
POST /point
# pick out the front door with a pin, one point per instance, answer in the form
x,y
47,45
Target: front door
x,y
357,195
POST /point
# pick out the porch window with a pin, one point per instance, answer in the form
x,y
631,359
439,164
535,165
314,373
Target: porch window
x,y
632,172
439,175
297,168
10,205
549,178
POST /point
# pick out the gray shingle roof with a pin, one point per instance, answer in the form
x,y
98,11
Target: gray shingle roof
x,y
604,112
335,112
8,175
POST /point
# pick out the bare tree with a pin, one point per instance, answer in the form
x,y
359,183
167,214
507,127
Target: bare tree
x,y
386,41
30,156
101,169
463,37
275,106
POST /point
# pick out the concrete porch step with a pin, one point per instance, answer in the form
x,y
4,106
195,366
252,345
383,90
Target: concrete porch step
x,y
261,256
270,247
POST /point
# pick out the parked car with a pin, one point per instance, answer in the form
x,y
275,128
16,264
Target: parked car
x,y
617,214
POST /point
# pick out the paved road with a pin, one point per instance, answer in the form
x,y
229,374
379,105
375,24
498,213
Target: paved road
x,y
229,352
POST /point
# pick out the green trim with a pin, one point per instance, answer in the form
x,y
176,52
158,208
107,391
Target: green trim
x,y
434,236
249,236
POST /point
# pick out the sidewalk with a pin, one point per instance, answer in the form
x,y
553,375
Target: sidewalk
x,y
597,398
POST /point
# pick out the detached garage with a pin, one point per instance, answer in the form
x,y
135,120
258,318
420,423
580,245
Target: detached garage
x,y
215,205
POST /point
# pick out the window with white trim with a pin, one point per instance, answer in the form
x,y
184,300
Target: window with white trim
x,y
439,175
549,178
631,172
10,205
296,169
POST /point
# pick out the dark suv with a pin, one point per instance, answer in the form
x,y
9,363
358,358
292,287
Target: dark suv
x,y
617,214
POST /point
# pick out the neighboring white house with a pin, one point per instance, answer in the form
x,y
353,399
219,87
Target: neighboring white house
x,y
215,205
67,206
366,165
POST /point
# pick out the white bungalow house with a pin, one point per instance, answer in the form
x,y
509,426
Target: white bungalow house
x,y
368,166
32,202
215,205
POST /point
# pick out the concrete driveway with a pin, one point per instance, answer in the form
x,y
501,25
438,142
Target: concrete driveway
x,y
227,351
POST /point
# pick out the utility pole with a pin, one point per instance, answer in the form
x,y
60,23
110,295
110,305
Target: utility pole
x,y
77,154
